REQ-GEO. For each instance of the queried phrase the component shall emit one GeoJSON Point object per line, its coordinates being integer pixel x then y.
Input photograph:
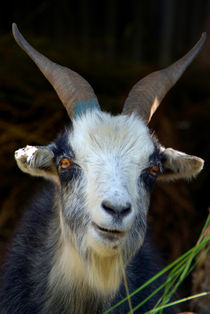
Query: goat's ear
{"type": "Point", "coordinates": [178, 165]}
{"type": "Point", "coordinates": [37, 161]}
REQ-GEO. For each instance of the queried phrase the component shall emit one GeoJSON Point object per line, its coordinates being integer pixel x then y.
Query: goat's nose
{"type": "Point", "coordinates": [116, 210]}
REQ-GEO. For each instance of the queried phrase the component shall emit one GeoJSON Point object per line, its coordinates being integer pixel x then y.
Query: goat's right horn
{"type": "Point", "coordinates": [146, 95]}
{"type": "Point", "coordinates": [74, 91]}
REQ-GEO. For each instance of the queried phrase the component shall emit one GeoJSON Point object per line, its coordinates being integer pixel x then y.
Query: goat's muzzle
{"type": "Point", "coordinates": [108, 232]}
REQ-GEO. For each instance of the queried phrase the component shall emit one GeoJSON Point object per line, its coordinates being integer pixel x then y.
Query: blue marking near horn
{"type": "Point", "coordinates": [81, 107]}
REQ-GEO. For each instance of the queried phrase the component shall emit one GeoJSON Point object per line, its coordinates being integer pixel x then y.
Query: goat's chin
{"type": "Point", "coordinates": [105, 244]}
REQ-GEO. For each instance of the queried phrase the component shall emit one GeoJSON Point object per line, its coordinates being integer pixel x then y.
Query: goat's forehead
{"type": "Point", "coordinates": [100, 133]}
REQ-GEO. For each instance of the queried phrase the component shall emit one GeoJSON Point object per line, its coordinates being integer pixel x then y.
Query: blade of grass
{"type": "Point", "coordinates": [175, 274]}
{"type": "Point", "coordinates": [164, 299]}
{"type": "Point", "coordinates": [197, 249]}
{"type": "Point", "coordinates": [180, 260]}
{"type": "Point", "coordinates": [162, 272]}
{"type": "Point", "coordinates": [173, 278]}
{"type": "Point", "coordinates": [178, 302]}
{"type": "Point", "coordinates": [149, 297]}
{"type": "Point", "coordinates": [126, 284]}
{"type": "Point", "coordinates": [185, 258]}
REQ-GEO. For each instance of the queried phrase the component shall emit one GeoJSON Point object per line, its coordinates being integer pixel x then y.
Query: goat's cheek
{"type": "Point", "coordinates": [143, 199]}
{"type": "Point", "coordinates": [99, 216]}
{"type": "Point", "coordinates": [94, 203]}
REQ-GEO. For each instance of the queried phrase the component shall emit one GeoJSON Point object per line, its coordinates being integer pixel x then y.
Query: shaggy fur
{"type": "Point", "coordinates": [25, 288]}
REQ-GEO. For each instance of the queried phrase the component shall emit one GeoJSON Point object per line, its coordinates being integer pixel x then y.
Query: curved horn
{"type": "Point", "coordinates": [146, 95]}
{"type": "Point", "coordinates": [74, 91]}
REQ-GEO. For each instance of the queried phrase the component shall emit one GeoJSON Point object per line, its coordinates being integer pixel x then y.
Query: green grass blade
{"type": "Point", "coordinates": [162, 272]}
{"type": "Point", "coordinates": [178, 302]}
{"type": "Point", "coordinates": [179, 270]}
{"type": "Point", "coordinates": [187, 268]}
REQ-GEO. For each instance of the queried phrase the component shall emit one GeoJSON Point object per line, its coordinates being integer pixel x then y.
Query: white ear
{"type": "Point", "coordinates": [178, 165]}
{"type": "Point", "coordinates": [37, 161]}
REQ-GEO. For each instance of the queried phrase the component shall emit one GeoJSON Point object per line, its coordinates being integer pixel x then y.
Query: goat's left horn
{"type": "Point", "coordinates": [73, 90]}
{"type": "Point", "coordinates": [146, 95]}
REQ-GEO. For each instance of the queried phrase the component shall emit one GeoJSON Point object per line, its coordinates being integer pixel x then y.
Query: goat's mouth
{"type": "Point", "coordinates": [109, 232]}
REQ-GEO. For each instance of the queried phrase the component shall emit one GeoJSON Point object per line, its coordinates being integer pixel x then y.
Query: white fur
{"type": "Point", "coordinates": [32, 160]}
{"type": "Point", "coordinates": [112, 151]}
{"type": "Point", "coordinates": [26, 154]}
{"type": "Point", "coordinates": [180, 165]}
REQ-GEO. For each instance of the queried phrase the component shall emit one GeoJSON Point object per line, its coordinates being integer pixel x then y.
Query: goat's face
{"type": "Point", "coordinates": [106, 185]}
{"type": "Point", "coordinates": [110, 167]}
{"type": "Point", "coordinates": [107, 202]}
{"type": "Point", "coordinates": [106, 165]}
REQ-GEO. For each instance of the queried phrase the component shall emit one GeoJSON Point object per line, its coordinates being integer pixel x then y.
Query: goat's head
{"type": "Point", "coordinates": [107, 165]}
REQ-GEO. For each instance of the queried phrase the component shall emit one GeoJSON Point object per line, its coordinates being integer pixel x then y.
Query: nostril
{"type": "Point", "coordinates": [127, 209]}
{"type": "Point", "coordinates": [108, 207]}
{"type": "Point", "coordinates": [116, 209]}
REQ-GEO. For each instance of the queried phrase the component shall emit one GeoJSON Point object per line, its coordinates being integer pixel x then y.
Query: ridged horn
{"type": "Point", "coordinates": [73, 90]}
{"type": "Point", "coordinates": [146, 95]}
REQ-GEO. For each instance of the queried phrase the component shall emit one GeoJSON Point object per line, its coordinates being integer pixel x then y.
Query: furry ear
{"type": "Point", "coordinates": [178, 165]}
{"type": "Point", "coordinates": [37, 161]}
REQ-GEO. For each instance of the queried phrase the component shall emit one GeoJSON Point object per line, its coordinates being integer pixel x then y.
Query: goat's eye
{"type": "Point", "coordinates": [154, 170]}
{"type": "Point", "coordinates": [64, 163]}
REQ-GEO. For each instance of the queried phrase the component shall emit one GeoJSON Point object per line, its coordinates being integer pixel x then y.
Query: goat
{"type": "Point", "coordinates": [65, 257]}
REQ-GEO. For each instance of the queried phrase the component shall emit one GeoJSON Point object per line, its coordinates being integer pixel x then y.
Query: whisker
{"type": "Point", "coordinates": [125, 283]}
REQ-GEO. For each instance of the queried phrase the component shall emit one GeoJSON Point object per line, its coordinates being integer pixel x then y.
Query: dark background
{"type": "Point", "coordinates": [112, 44]}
